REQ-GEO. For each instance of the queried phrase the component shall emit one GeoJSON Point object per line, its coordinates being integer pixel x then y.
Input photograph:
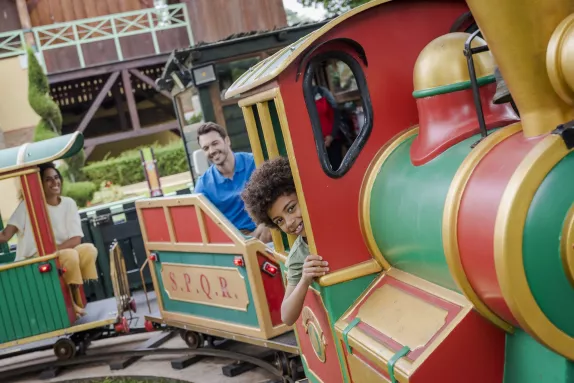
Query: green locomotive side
{"type": "Point", "coordinates": [31, 302]}
{"type": "Point", "coordinates": [407, 204]}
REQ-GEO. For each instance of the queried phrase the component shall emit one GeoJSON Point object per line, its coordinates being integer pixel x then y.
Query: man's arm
{"type": "Point", "coordinates": [262, 233]}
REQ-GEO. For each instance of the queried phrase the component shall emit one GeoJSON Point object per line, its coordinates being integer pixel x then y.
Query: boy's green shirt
{"type": "Point", "coordinates": [299, 251]}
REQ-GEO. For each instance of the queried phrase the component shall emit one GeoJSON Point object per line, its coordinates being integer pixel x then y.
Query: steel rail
{"type": "Point", "coordinates": [100, 357]}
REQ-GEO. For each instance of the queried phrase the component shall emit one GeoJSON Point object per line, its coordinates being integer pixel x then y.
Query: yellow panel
{"type": "Point", "coordinates": [208, 285]}
{"type": "Point", "coordinates": [361, 372]}
{"type": "Point", "coordinates": [398, 315]}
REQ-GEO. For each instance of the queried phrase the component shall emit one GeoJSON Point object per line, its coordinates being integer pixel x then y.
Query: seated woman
{"type": "Point", "coordinates": [76, 258]}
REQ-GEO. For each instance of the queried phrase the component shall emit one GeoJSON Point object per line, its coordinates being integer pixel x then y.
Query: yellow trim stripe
{"type": "Point", "coordinates": [367, 186]}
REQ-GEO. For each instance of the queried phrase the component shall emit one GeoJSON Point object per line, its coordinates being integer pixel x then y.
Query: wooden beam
{"type": "Point", "coordinates": [132, 107]}
{"type": "Point", "coordinates": [24, 16]}
{"type": "Point", "coordinates": [32, 4]}
{"type": "Point", "coordinates": [215, 96]}
{"type": "Point", "coordinates": [97, 102]}
{"type": "Point", "coordinates": [88, 150]}
{"type": "Point", "coordinates": [120, 107]}
{"type": "Point", "coordinates": [150, 82]}
{"type": "Point", "coordinates": [170, 125]}
{"type": "Point", "coordinates": [107, 68]}
{"type": "Point", "coordinates": [168, 109]}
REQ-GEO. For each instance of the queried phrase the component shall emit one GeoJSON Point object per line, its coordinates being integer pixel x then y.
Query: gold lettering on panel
{"type": "Point", "coordinates": [208, 285]}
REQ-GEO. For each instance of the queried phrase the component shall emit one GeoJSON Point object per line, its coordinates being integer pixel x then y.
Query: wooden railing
{"type": "Point", "coordinates": [12, 43]}
{"type": "Point", "coordinates": [77, 33]}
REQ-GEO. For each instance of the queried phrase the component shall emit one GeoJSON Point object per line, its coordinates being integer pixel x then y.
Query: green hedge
{"type": "Point", "coordinates": [81, 192]}
{"type": "Point", "coordinates": [127, 168]}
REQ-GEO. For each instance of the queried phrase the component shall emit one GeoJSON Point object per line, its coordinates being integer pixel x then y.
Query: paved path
{"type": "Point", "coordinates": [168, 181]}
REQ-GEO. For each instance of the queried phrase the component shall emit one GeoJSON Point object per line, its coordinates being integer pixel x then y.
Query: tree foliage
{"type": "Point", "coordinates": [50, 124]}
{"type": "Point", "coordinates": [334, 7]}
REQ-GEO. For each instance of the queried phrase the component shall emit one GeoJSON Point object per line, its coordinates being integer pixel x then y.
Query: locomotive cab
{"type": "Point", "coordinates": [35, 302]}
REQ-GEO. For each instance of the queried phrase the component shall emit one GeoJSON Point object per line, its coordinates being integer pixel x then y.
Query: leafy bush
{"type": "Point", "coordinates": [81, 192]}
{"type": "Point", "coordinates": [126, 169]}
{"type": "Point", "coordinates": [195, 119]}
{"type": "Point", "coordinates": [108, 193]}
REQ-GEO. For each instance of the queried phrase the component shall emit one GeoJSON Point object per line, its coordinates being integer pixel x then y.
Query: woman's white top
{"type": "Point", "coordinates": [65, 221]}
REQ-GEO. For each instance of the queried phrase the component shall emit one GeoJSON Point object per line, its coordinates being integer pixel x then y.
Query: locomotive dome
{"type": "Point", "coordinates": [441, 66]}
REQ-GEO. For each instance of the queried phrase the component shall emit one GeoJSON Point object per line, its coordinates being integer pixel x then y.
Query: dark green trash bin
{"type": "Point", "coordinates": [104, 225]}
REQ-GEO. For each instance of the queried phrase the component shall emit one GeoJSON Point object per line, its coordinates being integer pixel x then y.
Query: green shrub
{"type": "Point", "coordinates": [81, 192]}
{"type": "Point", "coordinates": [127, 169]}
{"type": "Point", "coordinates": [50, 125]}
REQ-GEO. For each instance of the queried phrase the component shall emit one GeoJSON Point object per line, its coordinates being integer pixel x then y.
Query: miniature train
{"type": "Point", "coordinates": [35, 303]}
{"type": "Point", "coordinates": [213, 282]}
{"type": "Point", "coordinates": [449, 224]}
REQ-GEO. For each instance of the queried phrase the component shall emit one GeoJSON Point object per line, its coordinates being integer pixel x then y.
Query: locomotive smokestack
{"type": "Point", "coordinates": [518, 32]}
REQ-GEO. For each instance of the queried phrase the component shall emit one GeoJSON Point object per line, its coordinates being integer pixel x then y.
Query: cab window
{"type": "Point", "coordinates": [339, 108]}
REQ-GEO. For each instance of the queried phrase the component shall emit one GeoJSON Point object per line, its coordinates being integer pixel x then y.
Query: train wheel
{"type": "Point", "coordinates": [282, 363]}
{"type": "Point", "coordinates": [210, 341]}
{"type": "Point", "coordinates": [193, 339]}
{"type": "Point", "coordinates": [296, 369]}
{"type": "Point", "coordinates": [65, 349]}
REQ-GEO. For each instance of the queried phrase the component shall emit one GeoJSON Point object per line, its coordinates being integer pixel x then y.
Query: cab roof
{"type": "Point", "coordinates": [272, 66]}
{"type": "Point", "coordinates": [36, 153]}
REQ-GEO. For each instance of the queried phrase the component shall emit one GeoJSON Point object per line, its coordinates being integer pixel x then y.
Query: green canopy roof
{"type": "Point", "coordinates": [27, 155]}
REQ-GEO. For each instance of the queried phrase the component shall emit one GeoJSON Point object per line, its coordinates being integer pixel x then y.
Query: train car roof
{"type": "Point", "coordinates": [272, 66]}
{"type": "Point", "coordinates": [35, 153]}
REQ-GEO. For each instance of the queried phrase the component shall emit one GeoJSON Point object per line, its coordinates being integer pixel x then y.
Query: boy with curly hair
{"type": "Point", "coordinates": [270, 199]}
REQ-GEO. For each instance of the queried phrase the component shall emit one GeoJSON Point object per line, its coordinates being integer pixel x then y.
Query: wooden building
{"type": "Point", "coordinates": [102, 58]}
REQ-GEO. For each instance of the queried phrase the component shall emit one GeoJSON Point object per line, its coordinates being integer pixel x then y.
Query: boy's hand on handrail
{"type": "Point", "coordinates": [314, 267]}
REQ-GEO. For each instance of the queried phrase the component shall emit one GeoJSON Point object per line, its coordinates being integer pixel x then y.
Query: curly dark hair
{"type": "Point", "coordinates": [267, 183]}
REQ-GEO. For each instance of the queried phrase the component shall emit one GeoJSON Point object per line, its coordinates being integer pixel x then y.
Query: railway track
{"type": "Point", "coordinates": [107, 356]}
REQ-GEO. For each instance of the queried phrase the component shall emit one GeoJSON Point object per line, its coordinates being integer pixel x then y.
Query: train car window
{"type": "Point", "coordinates": [339, 107]}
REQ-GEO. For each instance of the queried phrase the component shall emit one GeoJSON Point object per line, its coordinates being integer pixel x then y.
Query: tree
{"type": "Point", "coordinates": [50, 124]}
{"type": "Point", "coordinates": [334, 7]}
{"type": "Point", "coordinates": [296, 18]}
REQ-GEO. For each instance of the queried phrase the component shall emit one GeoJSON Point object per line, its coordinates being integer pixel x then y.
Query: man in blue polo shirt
{"type": "Point", "coordinates": [225, 179]}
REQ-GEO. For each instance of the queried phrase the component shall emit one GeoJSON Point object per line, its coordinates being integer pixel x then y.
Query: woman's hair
{"type": "Point", "coordinates": [43, 168]}
{"type": "Point", "coordinates": [50, 165]}
{"type": "Point", "coordinates": [267, 183]}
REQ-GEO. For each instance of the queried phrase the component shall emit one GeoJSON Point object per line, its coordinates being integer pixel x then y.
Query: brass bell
{"type": "Point", "coordinates": [502, 95]}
